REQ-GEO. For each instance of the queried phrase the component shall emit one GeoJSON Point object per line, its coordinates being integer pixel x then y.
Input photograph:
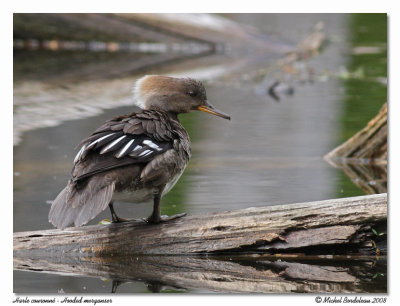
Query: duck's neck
{"type": "Point", "coordinates": [173, 116]}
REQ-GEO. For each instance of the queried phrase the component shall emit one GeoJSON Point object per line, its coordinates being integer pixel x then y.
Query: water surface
{"type": "Point", "coordinates": [271, 152]}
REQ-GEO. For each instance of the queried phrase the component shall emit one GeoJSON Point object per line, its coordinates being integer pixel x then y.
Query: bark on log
{"type": "Point", "coordinates": [293, 227]}
{"type": "Point", "coordinates": [363, 158]}
{"type": "Point", "coordinates": [267, 249]}
{"type": "Point", "coordinates": [369, 144]}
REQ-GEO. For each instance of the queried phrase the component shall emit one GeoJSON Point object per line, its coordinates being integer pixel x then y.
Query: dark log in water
{"type": "Point", "coordinates": [363, 158]}
{"type": "Point", "coordinates": [368, 145]}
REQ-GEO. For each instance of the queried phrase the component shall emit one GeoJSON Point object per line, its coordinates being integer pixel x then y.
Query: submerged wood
{"type": "Point", "coordinates": [369, 144]}
{"type": "Point", "coordinates": [338, 222]}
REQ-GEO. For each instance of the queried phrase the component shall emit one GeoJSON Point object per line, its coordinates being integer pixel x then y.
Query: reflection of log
{"type": "Point", "coordinates": [267, 249]}
{"type": "Point", "coordinates": [307, 47]}
{"type": "Point", "coordinates": [371, 179]}
{"type": "Point", "coordinates": [278, 228]}
{"type": "Point", "coordinates": [364, 156]}
{"type": "Point", "coordinates": [251, 273]}
{"type": "Point", "coordinates": [368, 144]}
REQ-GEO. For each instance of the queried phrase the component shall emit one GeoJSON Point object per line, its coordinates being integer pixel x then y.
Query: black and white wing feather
{"type": "Point", "coordinates": [120, 142]}
{"type": "Point", "coordinates": [130, 140]}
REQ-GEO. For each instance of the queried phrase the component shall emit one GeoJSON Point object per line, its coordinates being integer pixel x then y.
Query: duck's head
{"type": "Point", "coordinates": [173, 95]}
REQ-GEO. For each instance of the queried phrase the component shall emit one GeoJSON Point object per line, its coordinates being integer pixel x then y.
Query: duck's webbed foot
{"type": "Point", "coordinates": [158, 219]}
{"type": "Point", "coordinates": [115, 218]}
{"type": "Point", "coordinates": [156, 215]}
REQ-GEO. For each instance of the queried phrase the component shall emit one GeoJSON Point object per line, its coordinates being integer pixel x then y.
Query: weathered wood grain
{"type": "Point", "coordinates": [337, 222]}
{"type": "Point", "coordinates": [368, 144]}
{"type": "Point", "coordinates": [264, 250]}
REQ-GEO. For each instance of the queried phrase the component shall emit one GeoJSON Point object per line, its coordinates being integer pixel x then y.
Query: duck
{"type": "Point", "coordinates": [136, 157]}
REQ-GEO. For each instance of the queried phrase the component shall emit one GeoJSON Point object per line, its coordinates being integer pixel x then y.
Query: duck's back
{"type": "Point", "coordinates": [131, 157]}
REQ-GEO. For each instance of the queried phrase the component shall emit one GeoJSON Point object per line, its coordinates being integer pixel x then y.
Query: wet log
{"type": "Point", "coordinates": [303, 227]}
{"type": "Point", "coordinates": [233, 273]}
{"type": "Point", "coordinates": [367, 146]}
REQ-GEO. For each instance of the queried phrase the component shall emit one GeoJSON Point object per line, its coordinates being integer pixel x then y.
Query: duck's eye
{"type": "Point", "coordinates": [192, 93]}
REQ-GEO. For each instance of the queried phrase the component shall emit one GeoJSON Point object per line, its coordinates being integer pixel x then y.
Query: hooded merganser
{"type": "Point", "coordinates": [135, 157]}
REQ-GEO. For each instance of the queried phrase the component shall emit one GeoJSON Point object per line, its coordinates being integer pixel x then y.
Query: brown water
{"type": "Point", "coordinates": [271, 152]}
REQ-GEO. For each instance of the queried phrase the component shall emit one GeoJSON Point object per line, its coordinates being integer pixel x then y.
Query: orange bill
{"type": "Point", "coordinates": [209, 108]}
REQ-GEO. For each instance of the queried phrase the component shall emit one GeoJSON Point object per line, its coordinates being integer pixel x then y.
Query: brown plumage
{"type": "Point", "coordinates": [135, 157]}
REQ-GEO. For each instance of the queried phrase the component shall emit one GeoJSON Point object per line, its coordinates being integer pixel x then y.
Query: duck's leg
{"type": "Point", "coordinates": [156, 215]}
{"type": "Point", "coordinates": [115, 218]}
{"type": "Point", "coordinates": [115, 285]}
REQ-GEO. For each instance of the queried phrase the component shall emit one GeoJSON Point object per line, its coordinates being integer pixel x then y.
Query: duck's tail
{"type": "Point", "coordinates": [77, 206]}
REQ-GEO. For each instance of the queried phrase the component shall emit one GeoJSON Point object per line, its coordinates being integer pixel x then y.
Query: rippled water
{"type": "Point", "coordinates": [271, 152]}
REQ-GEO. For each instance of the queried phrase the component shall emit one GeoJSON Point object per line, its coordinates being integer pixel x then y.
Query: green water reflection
{"type": "Point", "coordinates": [365, 94]}
{"type": "Point", "coordinates": [270, 153]}
{"type": "Point", "coordinates": [366, 90]}
{"type": "Point", "coordinates": [175, 201]}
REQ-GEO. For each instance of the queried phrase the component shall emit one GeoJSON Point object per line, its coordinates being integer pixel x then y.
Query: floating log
{"type": "Point", "coordinates": [368, 145]}
{"type": "Point", "coordinates": [265, 249]}
{"type": "Point", "coordinates": [294, 227]}
{"type": "Point", "coordinates": [363, 158]}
